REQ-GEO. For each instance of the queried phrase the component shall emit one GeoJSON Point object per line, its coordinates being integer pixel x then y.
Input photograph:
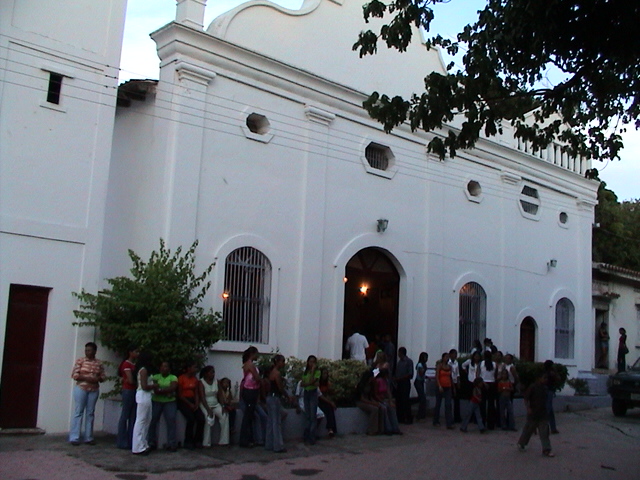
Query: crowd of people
{"type": "Point", "coordinates": [488, 379]}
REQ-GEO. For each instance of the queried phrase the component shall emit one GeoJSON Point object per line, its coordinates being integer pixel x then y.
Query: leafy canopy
{"type": "Point", "coordinates": [156, 309]}
{"type": "Point", "coordinates": [593, 44]}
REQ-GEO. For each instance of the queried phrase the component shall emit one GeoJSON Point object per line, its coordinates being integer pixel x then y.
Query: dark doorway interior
{"type": "Point", "coordinates": [22, 359]}
{"type": "Point", "coordinates": [528, 340]}
{"type": "Point", "coordinates": [372, 285]}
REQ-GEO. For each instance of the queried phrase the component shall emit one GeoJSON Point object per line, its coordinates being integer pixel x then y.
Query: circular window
{"type": "Point", "coordinates": [474, 188]}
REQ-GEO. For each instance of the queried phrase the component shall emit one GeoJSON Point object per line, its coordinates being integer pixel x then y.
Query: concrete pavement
{"type": "Point", "coordinates": [592, 445]}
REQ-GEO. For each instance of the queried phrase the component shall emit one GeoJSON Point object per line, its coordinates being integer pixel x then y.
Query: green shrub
{"type": "Point", "coordinates": [530, 371]}
{"type": "Point", "coordinates": [580, 385]}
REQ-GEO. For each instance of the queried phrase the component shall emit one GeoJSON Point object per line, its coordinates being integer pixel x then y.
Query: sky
{"type": "Point", "coordinates": [139, 60]}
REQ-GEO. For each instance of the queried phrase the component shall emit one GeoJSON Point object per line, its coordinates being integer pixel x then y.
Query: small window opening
{"type": "Point", "coordinates": [377, 156]}
{"type": "Point", "coordinates": [529, 200]}
{"type": "Point", "coordinates": [563, 217]}
{"type": "Point", "coordinates": [474, 188]}
{"type": "Point", "coordinates": [55, 86]}
{"type": "Point", "coordinates": [257, 123]}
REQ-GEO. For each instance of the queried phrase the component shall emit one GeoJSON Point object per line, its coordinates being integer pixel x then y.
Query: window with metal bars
{"type": "Point", "coordinates": [565, 328]}
{"type": "Point", "coordinates": [247, 291]}
{"type": "Point", "coordinates": [529, 200]}
{"type": "Point", "coordinates": [377, 156]}
{"type": "Point", "coordinates": [472, 315]}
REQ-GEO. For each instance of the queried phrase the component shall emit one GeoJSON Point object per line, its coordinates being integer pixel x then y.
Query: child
{"type": "Point", "coordinates": [225, 397]}
{"type": "Point", "coordinates": [535, 399]}
{"type": "Point", "coordinates": [505, 392]}
{"type": "Point", "coordinates": [474, 406]}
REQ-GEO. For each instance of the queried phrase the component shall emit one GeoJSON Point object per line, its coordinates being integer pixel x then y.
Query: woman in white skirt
{"type": "Point", "coordinates": [211, 407]}
{"type": "Point", "coordinates": [139, 444]}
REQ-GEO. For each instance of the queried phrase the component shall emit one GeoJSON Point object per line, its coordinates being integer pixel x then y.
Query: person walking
{"type": "Point", "coordinates": [88, 372]}
{"type": "Point", "coordinates": [552, 385]}
{"type": "Point", "coordinates": [535, 400]}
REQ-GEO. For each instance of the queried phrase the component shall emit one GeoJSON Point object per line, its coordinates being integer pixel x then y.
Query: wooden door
{"type": "Point", "coordinates": [528, 340]}
{"type": "Point", "coordinates": [22, 359]}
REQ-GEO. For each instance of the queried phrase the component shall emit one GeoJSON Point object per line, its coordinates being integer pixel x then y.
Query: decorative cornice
{"type": "Point", "coordinates": [510, 178]}
{"type": "Point", "coordinates": [586, 204]}
{"type": "Point", "coordinates": [318, 115]}
{"type": "Point", "coordinates": [194, 73]}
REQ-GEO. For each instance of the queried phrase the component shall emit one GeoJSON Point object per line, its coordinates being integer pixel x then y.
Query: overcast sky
{"type": "Point", "coordinates": [139, 60]}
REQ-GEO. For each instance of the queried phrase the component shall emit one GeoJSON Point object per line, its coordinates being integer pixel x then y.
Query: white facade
{"type": "Point", "coordinates": [54, 166]}
{"type": "Point", "coordinates": [299, 189]}
{"type": "Point", "coordinates": [293, 183]}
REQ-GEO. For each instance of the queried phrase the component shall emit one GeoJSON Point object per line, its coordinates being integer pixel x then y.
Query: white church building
{"type": "Point", "coordinates": [254, 142]}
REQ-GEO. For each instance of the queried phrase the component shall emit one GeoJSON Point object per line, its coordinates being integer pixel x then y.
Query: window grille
{"type": "Point", "coordinates": [529, 200]}
{"type": "Point", "coordinates": [247, 290]}
{"type": "Point", "coordinates": [377, 156]}
{"type": "Point", "coordinates": [565, 329]}
{"type": "Point", "coordinates": [472, 315]}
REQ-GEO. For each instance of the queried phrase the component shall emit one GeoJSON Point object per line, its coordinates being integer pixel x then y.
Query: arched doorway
{"type": "Point", "coordinates": [371, 292]}
{"type": "Point", "coordinates": [528, 339]}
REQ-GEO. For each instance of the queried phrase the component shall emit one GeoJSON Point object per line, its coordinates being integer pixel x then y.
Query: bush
{"type": "Point", "coordinates": [580, 386]}
{"type": "Point", "coordinates": [157, 309]}
{"type": "Point", "coordinates": [530, 371]}
{"type": "Point", "coordinates": [344, 375]}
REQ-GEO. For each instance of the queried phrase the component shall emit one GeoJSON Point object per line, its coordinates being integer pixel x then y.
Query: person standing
{"type": "Point", "coordinates": [603, 344]}
{"type": "Point", "coordinates": [622, 350]}
{"type": "Point", "coordinates": [489, 400]}
{"type": "Point", "coordinates": [249, 394]}
{"type": "Point", "coordinates": [273, 437]}
{"type": "Point", "coordinates": [403, 377]}
{"type": "Point", "coordinates": [189, 407]}
{"type": "Point", "coordinates": [535, 399]}
{"type": "Point", "coordinates": [443, 392]}
{"type": "Point", "coordinates": [88, 372]}
{"type": "Point", "coordinates": [356, 347]}
{"type": "Point", "coordinates": [144, 393]}
{"type": "Point", "coordinates": [310, 383]}
{"type": "Point", "coordinates": [455, 384]}
{"type": "Point", "coordinates": [418, 383]}
{"type": "Point", "coordinates": [163, 403]}
{"type": "Point", "coordinates": [128, 413]}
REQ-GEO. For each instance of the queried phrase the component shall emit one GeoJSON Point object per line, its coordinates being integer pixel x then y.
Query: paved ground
{"type": "Point", "coordinates": [592, 445]}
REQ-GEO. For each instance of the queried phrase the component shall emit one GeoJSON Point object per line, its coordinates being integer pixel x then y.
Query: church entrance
{"type": "Point", "coordinates": [371, 295]}
{"type": "Point", "coordinates": [528, 340]}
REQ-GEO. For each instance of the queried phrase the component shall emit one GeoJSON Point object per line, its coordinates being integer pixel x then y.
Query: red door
{"type": "Point", "coordinates": [528, 340]}
{"type": "Point", "coordinates": [22, 359]}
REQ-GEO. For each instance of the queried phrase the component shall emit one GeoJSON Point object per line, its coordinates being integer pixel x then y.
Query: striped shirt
{"type": "Point", "coordinates": [88, 368]}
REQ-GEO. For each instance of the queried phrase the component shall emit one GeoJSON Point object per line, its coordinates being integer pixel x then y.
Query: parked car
{"type": "Point", "coordinates": [624, 388]}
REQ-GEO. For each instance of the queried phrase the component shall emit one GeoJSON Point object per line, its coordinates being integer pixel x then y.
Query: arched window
{"type": "Point", "coordinates": [247, 291]}
{"type": "Point", "coordinates": [565, 329]}
{"type": "Point", "coordinates": [472, 315]}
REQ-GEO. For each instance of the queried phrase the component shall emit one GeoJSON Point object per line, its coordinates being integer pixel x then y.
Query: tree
{"type": "Point", "coordinates": [593, 44]}
{"type": "Point", "coordinates": [156, 309]}
{"type": "Point", "coordinates": [616, 240]}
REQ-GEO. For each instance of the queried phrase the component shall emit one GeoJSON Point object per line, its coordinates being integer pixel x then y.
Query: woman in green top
{"type": "Point", "coordinates": [164, 403]}
{"type": "Point", "coordinates": [310, 382]}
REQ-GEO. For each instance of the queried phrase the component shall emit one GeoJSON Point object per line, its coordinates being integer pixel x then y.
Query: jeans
{"type": "Point", "coordinates": [422, 399]}
{"type": "Point", "coordinates": [506, 413]}
{"type": "Point", "coordinates": [552, 416]}
{"type": "Point", "coordinates": [85, 404]}
{"type": "Point", "coordinates": [194, 428]}
{"type": "Point", "coordinates": [474, 411]}
{"type": "Point", "coordinates": [127, 419]}
{"type": "Point", "coordinates": [403, 405]}
{"type": "Point", "coordinates": [489, 407]}
{"type": "Point", "coordinates": [448, 414]}
{"type": "Point", "coordinates": [310, 415]}
{"type": "Point", "coordinates": [170, 411]}
{"type": "Point", "coordinates": [250, 398]}
{"type": "Point", "coordinates": [273, 439]}
{"type": "Point", "coordinates": [390, 418]}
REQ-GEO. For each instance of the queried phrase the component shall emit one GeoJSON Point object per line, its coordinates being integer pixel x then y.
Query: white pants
{"type": "Point", "coordinates": [223, 419]}
{"type": "Point", "coordinates": [143, 421]}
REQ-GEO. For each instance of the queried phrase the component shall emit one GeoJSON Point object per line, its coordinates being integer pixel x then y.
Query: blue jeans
{"type": "Point", "coordinates": [422, 399]}
{"type": "Point", "coordinates": [250, 399]}
{"type": "Point", "coordinates": [474, 411]}
{"type": "Point", "coordinates": [127, 419]}
{"type": "Point", "coordinates": [506, 413]}
{"type": "Point", "coordinates": [85, 404]}
{"type": "Point", "coordinates": [273, 439]}
{"type": "Point", "coordinates": [170, 412]}
{"type": "Point", "coordinates": [310, 415]}
{"type": "Point", "coordinates": [448, 414]}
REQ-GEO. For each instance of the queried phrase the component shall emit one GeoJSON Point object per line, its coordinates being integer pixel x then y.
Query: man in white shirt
{"type": "Point", "coordinates": [356, 346]}
{"type": "Point", "coordinates": [455, 380]}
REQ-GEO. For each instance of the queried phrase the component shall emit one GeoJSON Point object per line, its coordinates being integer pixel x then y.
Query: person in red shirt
{"type": "Point", "coordinates": [128, 413]}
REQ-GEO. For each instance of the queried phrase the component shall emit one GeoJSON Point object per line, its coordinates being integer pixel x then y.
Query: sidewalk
{"type": "Point", "coordinates": [50, 449]}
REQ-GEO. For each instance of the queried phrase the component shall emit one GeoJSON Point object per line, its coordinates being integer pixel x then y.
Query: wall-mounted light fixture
{"type": "Point", "coordinates": [363, 289]}
{"type": "Point", "coordinates": [383, 223]}
{"type": "Point", "coordinates": [553, 263]}
{"type": "Point", "coordinates": [225, 295]}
